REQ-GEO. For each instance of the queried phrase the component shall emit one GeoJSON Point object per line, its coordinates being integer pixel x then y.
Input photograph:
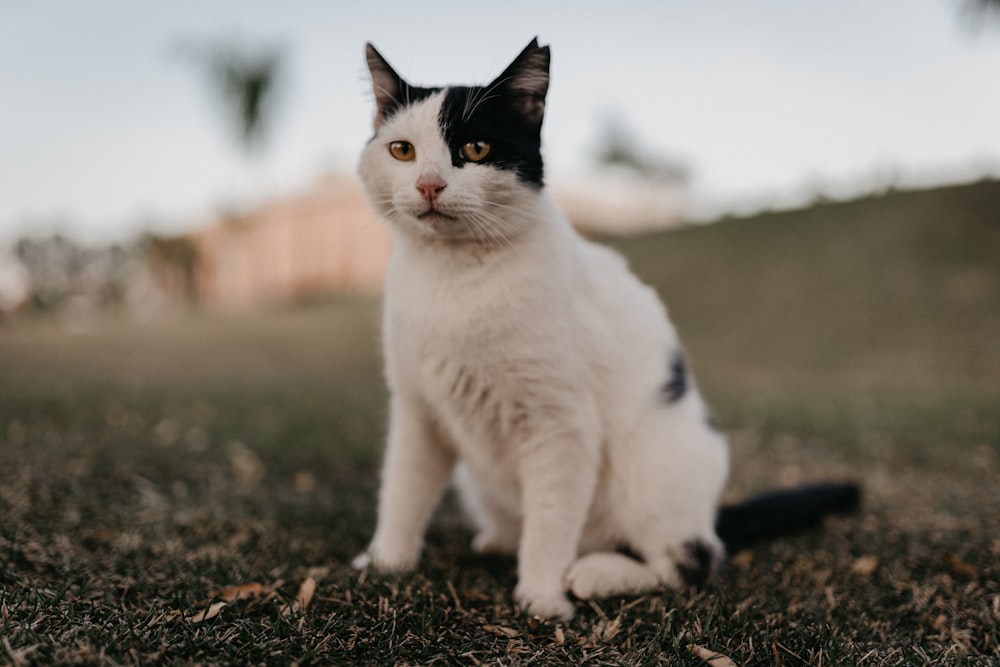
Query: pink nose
{"type": "Point", "coordinates": [430, 188]}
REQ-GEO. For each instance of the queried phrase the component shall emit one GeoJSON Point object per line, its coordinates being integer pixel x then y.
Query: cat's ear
{"type": "Point", "coordinates": [389, 88]}
{"type": "Point", "coordinates": [526, 81]}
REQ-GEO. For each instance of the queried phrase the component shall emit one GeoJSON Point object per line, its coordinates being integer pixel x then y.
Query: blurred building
{"type": "Point", "coordinates": [322, 239]}
{"type": "Point", "coordinates": [326, 239]}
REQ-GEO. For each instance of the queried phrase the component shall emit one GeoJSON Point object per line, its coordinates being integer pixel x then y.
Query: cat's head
{"type": "Point", "coordinates": [457, 163]}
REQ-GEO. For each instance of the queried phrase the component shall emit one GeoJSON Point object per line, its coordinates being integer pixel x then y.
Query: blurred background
{"type": "Point", "coordinates": [158, 157]}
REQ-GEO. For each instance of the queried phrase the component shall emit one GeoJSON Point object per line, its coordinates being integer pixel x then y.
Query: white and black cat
{"type": "Point", "coordinates": [532, 368]}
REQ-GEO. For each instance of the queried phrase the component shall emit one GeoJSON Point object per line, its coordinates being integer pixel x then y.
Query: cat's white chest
{"type": "Point", "coordinates": [456, 347]}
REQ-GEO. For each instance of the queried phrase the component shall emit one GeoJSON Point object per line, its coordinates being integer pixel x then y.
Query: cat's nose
{"type": "Point", "coordinates": [430, 188]}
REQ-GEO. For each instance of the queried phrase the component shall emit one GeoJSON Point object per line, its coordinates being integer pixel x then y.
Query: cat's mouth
{"type": "Point", "coordinates": [433, 215]}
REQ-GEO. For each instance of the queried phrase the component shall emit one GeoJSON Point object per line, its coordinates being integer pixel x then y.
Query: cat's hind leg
{"type": "Point", "coordinates": [606, 573]}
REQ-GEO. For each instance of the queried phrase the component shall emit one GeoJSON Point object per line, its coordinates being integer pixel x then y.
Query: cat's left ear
{"type": "Point", "coordinates": [526, 81]}
{"type": "Point", "coordinates": [389, 87]}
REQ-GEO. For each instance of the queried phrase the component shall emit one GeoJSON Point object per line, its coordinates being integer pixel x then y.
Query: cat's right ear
{"type": "Point", "coordinates": [388, 87]}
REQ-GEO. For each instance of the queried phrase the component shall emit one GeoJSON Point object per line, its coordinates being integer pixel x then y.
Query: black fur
{"type": "Point", "coordinates": [629, 552]}
{"type": "Point", "coordinates": [513, 145]}
{"type": "Point", "coordinates": [785, 512]}
{"type": "Point", "coordinates": [700, 564]}
{"type": "Point", "coordinates": [677, 380]}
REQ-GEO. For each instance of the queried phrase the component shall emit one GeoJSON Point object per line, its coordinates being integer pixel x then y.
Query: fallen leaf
{"type": "Point", "coordinates": [960, 567]}
{"type": "Point", "coordinates": [605, 630]}
{"type": "Point", "coordinates": [714, 658]}
{"type": "Point", "coordinates": [559, 636]}
{"type": "Point", "coordinates": [743, 560]}
{"type": "Point", "coordinates": [247, 468]}
{"type": "Point", "coordinates": [302, 598]}
{"type": "Point", "coordinates": [306, 591]}
{"type": "Point", "coordinates": [865, 566]}
{"type": "Point", "coordinates": [241, 592]}
{"type": "Point", "coordinates": [502, 631]}
{"type": "Point", "coordinates": [210, 612]}
{"type": "Point", "coordinates": [304, 481]}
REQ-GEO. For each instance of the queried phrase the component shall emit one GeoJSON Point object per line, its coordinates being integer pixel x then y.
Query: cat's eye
{"type": "Point", "coordinates": [476, 151]}
{"type": "Point", "coordinates": [402, 150]}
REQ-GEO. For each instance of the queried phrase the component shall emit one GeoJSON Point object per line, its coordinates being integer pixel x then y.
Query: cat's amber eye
{"type": "Point", "coordinates": [476, 151]}
{"type": "Point", "coordinates": [402, 150]}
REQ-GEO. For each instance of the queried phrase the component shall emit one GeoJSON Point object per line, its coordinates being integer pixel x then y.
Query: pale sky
{"type": "Point", "coordinates": [106, 128]}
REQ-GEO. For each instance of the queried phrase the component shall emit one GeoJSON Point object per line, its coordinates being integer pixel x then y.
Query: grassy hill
{"type": "Point", "coordinates": [148, 468]}
{"type": "Point", "coordinates": [897, 293]}
{"type": "Point", "coordinates": [878, 313]}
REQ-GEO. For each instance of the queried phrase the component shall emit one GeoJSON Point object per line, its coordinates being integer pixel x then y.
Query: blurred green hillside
{"type": "Point", "coordinates": [896, 293]}
{"type": "Point", "coordinates": [887, 307]}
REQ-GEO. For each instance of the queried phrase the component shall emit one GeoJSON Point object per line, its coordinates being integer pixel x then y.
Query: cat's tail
{"type": "Point", "coordinates": [784, 512]}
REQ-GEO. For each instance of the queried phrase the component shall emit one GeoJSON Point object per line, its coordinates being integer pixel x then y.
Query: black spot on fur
{"type": "Point", "coordinates": [712, 423]}
{"type": "Point", "coordinates": [677, 381]}
{"type": "Point", "coordinates": [700, 564]}
{"type": "Point", "coordinates": [629, 552]}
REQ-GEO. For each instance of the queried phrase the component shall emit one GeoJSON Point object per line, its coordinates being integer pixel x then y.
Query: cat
{"type": "Point", "coordinates": [528, 365]}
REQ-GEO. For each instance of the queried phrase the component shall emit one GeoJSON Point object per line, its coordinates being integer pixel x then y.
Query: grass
{"type": "Point", "coordinates": [148, 469]}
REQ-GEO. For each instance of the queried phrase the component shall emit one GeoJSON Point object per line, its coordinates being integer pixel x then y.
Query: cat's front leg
{"type": "Point", "coordinates": [558, 476]}
{"type": "Point", "coordinates": [418, 464]}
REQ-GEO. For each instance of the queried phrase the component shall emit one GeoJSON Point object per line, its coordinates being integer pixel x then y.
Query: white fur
{"type": "Point", "coordinates": [528, 365]}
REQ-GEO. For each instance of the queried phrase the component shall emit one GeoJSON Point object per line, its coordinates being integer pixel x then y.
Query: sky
{"type": "Point", "coordinates": [108, 128]}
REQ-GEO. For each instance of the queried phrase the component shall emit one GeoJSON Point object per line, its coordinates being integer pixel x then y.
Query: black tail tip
{"type": "Point", "coordinates": [786, 511]}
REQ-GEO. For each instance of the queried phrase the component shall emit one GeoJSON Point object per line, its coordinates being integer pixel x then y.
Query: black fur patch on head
{"type": "Point", "coordinates": [699, 567]}
{"type": "Point", "coordinates": [677, 381]}
{"type": "Point", "coordinates": [480, 113]}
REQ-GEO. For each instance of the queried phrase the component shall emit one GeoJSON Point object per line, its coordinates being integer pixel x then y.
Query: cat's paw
{"type": "Point", "coordinates": [601, 575]}
{"type": "Point", "coordinates": [383, 560]}
{"type": "Point", "coordinates": [362, 561]}
{"type": "Point", "coordinates": [546, 605]}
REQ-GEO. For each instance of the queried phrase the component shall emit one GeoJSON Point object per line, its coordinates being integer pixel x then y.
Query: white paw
{"type": "Point", "coordinates": [386, 560]}
{"type": "Point", "coordinates": [605, 574]}
{"type": "Point", "coordinates": [361, 561]}
{"type": "Point", "coordinates": [546, 605]}
{"type": "Point", "coordinates": [584, 580]}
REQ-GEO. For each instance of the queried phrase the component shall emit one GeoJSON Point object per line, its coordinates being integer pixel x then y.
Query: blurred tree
{"type": "Point", "coordinates": [978, 13]}
{"type": "Point", "coordinates": [618, 146]}
{"type": "Point", "coordinates": [63, 272]}
{"type": "Point", "coordinates": [246, 80]}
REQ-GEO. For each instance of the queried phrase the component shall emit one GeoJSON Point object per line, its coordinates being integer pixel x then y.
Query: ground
{"type": "Point", "coordinates": [192, 489]}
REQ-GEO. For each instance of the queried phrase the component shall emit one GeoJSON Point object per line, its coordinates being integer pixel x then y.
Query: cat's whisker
{"type": "Point", "coordinates": [495, 228]}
